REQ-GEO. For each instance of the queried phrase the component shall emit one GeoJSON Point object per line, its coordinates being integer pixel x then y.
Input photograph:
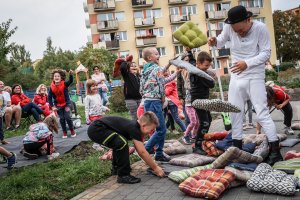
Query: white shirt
{"type": "Point", "coordinates": [98, 78]}
{"type": "Point", "coordinates": [6, 96]}
{"type": "Point", "coordinates": [254, 49]}
{"type": "Point", "coordinates": [93, 105]}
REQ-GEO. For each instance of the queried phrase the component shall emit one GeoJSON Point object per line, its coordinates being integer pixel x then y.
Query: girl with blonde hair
{"type": "Point", "coordinates": [41, 99]}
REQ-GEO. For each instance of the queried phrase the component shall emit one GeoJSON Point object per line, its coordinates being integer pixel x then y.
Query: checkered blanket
{"type": "Point", "coordinates": [210, 148]}
{"type": "Point", "coordinates": [215, 135]}
{"type": "Point", "coordinates": [207, 183]}
{"type": "Point", "coordinates": [192, 160]}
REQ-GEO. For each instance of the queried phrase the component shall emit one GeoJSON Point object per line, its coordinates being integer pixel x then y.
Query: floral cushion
{"type": "Point", "coordinates": [173, 147]}
{"type": "Point", "coordinates": [240, 175]}
{"type": "Point", "coordinates": [292, 154]}
{"type": "Point", "coordinates": [179, 176]}
{"type": "Point", "coordinates": [189, 35]}
{"type": "Point", "coordinates": [269, 180]}
{"type": "Point", "coordinates": [207, 183]}
{"type": "Point", "coordinates": [216, 105]}
{"type": "Point", "coordinates": [191, 160]}
{"type": "Point", "coordinates": [234, 154]}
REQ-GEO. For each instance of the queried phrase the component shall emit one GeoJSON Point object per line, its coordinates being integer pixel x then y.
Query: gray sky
{"type": "Point", "coordinates": [63, 21]}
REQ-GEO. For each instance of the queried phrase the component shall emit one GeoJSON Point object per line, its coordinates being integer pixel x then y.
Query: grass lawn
{"type": "Point", "coordinates": [59, 179]}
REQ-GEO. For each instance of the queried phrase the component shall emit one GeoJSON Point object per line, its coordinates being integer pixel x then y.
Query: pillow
{"type": "Point", "coordinates": [256, 138]}
{"type": "Point", "coordinates": [289, 166]}
{"type": "Point", "coordinates": [191, 160]}
{"type": "Point", "coordinates": [207, 183]}
{"type": "Point", "coordinates": [290, 142]}
{"type": "Point", "coordinates": [210, 148]}
{"type": "Point", "coordinates": [191, 69]}
{"type": "Point", "coordinates": [189, 35]}
{"type": "Point", "coordinates": [269, 180]}
{"type": "Point", "coordinates": [240, 175]}
{"type": "Point", "coordinates": [216, 105]}
{"type": "Point", "coordinates": [249, 166]}
{"type": "Point", "coordinates": [292, 154]}
{"type": "Point", "coordinates": [262, 150]}
{"type": "Point", "coordinates": [295, 126]}
{"type": "Point", "coordinates": [281, 136]}
{"type": "Point", "coordinates": [215, 135]}
{"type": "Point", "coordinates": [234, 154]}
{"type": "Point", "coordinates": [173, 147]}
{"type": "Point", "coordinates": [179, 176]}
{"type": "Point", "coordinates": [297, 173]}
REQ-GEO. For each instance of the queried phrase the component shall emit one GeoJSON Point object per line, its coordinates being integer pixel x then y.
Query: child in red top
{"type": "Point", "coordinates": [278, 98]}
{"type": "Point", "coordinates": [62, 103]}
{"type": "Point", "coordinates": [19, 98]}
{"type": "Point", "coordinates": [41, 99]}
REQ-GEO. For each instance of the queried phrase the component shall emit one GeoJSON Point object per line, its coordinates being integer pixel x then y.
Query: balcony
{"type": "Point", "coordinates": [220, 14]}
{"type": "Point", "coordinates": [141, 3]}
{"type": "Point", "coordinates": [175, 19]}
{"type": "Point", "coordinates": [254, 10]}
{"type": "Point", "coordinates": [174, 2]}
{"type": "Point", "coordinates": [223, 53]}
{"type": "Point", "coordinates": [214, 33]}
{"type": "Point", "coordinates": [146, 41]}
{"type": "Point", "coordinates": [109, 45]}
{"type": "Point", "coordinates": [108, 25]}
{"type": "Point", "coordinates": [142, 22]}
{"type": "Point", "coordinates": [104, 5]}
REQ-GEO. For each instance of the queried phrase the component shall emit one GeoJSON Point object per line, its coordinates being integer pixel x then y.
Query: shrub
{"type": "Point", "coordinates": [117, 100]}
{"type": "Point", "coordinates": [286, 65]}
{"type": "Point", "coordinates": [271, 75]}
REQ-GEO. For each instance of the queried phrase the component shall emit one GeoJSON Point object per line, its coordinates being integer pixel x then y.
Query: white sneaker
{"type": "Point", "coordinates": [175, 132]}
{"type": "Point", "coordinates": [73, 135]}
{"type": "Point", "coordinates": [64, 137]}
{"type": "Point", "coordinates": [53, 156]}
{"type": "Point", "coordinates": [288, 131]}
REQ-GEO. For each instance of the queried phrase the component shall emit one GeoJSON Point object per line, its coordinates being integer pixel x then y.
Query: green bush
{"type": "Point", "coordinates": [271, 75]}
{"type": "Point", "coordinates": [286, 65]}
{"type": "Point", "coordinates": [117, 100]}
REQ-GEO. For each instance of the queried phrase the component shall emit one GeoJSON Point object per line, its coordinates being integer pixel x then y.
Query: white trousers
{"type": "Point", "coordinates": [254, 90]}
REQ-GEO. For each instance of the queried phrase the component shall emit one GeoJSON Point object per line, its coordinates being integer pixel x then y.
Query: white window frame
{"type": "Point", "coordinates": [159, 31]}
{"type": "Point", "coordinates": [260, 19]}
{"type": "Point", "coordinates": [174, 11]}
{"type": "Point", "coordinates": [121, 20]}
{"type": "Point", "coordinates": [155, 13]}
{"type": "Point", "coordinates": [162, 50]}
{"type": "Point", "coordinates": [122, 35]}
{"type": "Point", "coordinates": [123, 53]}
{"type": "Point", "coordinates": [106, 15]}
{"type": "Point", "coordinates": [179, 49]}
{"type": "Point", "coordinates": [189, 8]}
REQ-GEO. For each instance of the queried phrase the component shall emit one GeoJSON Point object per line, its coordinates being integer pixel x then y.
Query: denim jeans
{"type": "Point", "coordinates": [158, 138]}
{"type": "Point", "coordinates": [64, 114]}
{"type": "Point", "coordinates": [103, 96]}
{"type": "Point", "coordinates": [174, 113]}
{"type": "Point", "coordinates": [32, 108]}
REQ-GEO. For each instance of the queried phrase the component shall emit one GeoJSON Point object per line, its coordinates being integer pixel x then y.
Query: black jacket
{"type": "Point", "coordinates": [131, 83]}
{"type": "Point", "coordinates": [200, 87]}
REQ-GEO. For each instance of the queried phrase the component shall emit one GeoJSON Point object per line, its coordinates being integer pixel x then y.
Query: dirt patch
{"type": "Point", "coordinates": [82, 150]}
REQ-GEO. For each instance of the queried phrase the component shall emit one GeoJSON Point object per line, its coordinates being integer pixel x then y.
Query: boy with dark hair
{"type": "Point", "coordinates": [113, 132]}
{"type": "Point", "coordinates": [200, 90]}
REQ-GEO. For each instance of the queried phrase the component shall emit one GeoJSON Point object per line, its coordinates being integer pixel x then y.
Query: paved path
{"type": "Point", "coordinates": [153, 187]}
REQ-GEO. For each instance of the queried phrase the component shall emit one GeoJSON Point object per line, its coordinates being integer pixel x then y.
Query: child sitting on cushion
{"type": "Point", "coordinates": [114, 132]}
{"type": "Point", "coordinates": [200, 90]}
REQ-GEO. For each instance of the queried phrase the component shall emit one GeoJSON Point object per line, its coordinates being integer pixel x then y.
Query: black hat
{"type": "Point", "coordinates": [237, 14]}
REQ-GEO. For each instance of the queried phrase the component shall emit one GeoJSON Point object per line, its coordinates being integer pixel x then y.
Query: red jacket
{"type": "Point", "coordinates": [172, 93]}
{"type": "Point", "coordinates": [22, 98]}
{"type": "Point", "coordinates": [40, 99]}
{"type": "Point", "coordinates": [280, 95]}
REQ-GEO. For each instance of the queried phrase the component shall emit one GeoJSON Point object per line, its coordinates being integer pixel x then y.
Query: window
{"type": "Point", "coordinates": [174, 28]}
{"type": "Point", "coordinates": [140, 53]}
{"type": "Point", "coordinates": [225, 6]}
{"type": "Point", "coordinates": [122, 36]}
{"type": "Point", "coordinates": [138, 14]}
{"type": "Point", "coordinates": [260, 19]}
{"type": "Point", "coordinates": [209, 7]}
{"type": "Point", "coordinates": [123, 54]}
{"type": "Point", "coordinates": [120, 16]}
{"type": "Point", "coordinates": [159, 32]}
{"type": "Point", "coordinates": [105, 37]}
{"type": "Point", "coordinates": [179, 49]}
{"type": "Point", "coordinates": [105, 17]}
{"type": "Point", "coordinates": [189, 10]}
{"type": "Point", "coordinates": [252, 3]}
{"type": "Point", "coordinates": [162, 51]}
{"type": "Point", "coordinates": [217, 6]}
{"type": "Point", "coordinates": [174, 11]}
{"type": "Point", "coordinates": [156, 13]}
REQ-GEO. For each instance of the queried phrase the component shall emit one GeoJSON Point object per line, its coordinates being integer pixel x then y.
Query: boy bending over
{"type": "Point", "coordinates": [113, 132]}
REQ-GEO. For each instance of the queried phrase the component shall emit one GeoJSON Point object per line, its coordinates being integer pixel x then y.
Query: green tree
{"type": "Point", "coordinates": [287, 35]}
{"type": "Point", "coordinates": [90, 57]}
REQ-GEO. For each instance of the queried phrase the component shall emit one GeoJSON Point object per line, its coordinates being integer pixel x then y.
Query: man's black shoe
{"type": "Point", "coordinates": [162, 158]}
{"type": "Point", "coordinates": [128, 179]}
{"type": "Point", "coordinates": [199, 151]}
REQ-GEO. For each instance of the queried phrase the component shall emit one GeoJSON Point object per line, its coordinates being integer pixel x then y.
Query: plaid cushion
{"type": "Point", "coordinates": [191, 160]}
{"type": "Point", "coordinates": [292, 154]}
{"type": "Point", "coordinates": [215, 135]}
{"type": "Point", "coordinates": [210, 148]}
{"type": "Point", "coordinates": [173, 147]}
{"type": "Point", "coordinates": [234, 154]}
{"type": "Point", "coordinates": [179, 176]}
{"type": "Point", "coordinates": [269, 180]}
{"type": "Point", "coordinates": [240, 175]}
{"type": "Point", "coordinates": [207, 183]}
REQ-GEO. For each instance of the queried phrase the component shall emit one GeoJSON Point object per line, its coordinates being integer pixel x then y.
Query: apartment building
{"type": "Point", "coordinates": [128, 26]}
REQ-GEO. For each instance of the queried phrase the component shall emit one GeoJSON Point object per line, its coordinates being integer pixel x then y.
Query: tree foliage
{"type": "Point", "coordinates": [5, 34]}
{"type": "Point", "coordinates": [90, 57]}
{"type": "Point", "coordinates": [287, 35]}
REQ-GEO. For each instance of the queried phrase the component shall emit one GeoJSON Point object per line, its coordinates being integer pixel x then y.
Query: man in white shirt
{"type": "Point", "coordinates": [250, 49]}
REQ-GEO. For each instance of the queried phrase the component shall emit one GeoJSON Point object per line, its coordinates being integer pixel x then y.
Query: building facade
{"type": "Point", "coordinates": [128, 26]}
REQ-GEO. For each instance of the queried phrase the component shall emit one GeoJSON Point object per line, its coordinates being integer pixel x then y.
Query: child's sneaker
{"type": "Point", "coordinates": [73, 134]}
{"type": "Point", "coordinates": [162, 158]}
{"type": "Point", "coordinates": [186, 140]}
{"type": "Point", "coordinates": [288, 131]}
{"type": "Point", "coordinates": [53, 156]}
{"type": "Point", "coordinates": [11, 161]}
{"type": "Point", "coordinates": [30, 156]}
{"type": "Point", "coordinates": [65, 135]}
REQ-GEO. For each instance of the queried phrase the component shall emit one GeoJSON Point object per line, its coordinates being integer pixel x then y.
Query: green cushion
{"type": "Point", "coordinates": [289, 166]}
{"type": "Point", "coordinates": [189, 35]}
